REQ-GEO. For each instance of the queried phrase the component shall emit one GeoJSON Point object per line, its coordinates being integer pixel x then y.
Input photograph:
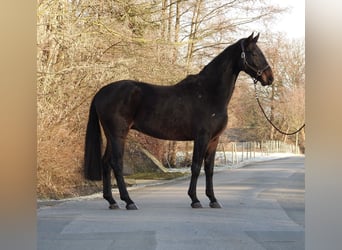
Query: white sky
{"type": "Point", "coordinates": [293, 21]}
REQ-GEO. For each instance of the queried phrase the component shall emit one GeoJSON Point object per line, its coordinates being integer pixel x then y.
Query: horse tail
{"type": "Point", "coordinates": [93, 144]}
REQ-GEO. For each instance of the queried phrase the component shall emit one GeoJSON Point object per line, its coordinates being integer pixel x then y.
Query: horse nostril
{"type": "Point", "coordinates": [270, 79]}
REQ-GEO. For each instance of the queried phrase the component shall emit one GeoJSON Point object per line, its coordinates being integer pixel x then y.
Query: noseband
{"type": "Point", "coordinates": [247, 65]}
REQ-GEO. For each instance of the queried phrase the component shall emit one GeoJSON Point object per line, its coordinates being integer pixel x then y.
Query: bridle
{"type": "Point", "coordinates": [255, 80]}
{"type": "Point", "coordinates": [247, 65]}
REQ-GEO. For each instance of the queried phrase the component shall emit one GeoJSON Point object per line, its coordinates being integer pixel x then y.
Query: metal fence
{"type": "Point", "coordinates": [235, 152]}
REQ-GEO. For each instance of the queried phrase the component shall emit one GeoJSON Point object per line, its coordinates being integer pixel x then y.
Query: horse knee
{"type": "Point", "coordinates": [195, 174]}
{"type": "Point", "coordinates": [195, 170]}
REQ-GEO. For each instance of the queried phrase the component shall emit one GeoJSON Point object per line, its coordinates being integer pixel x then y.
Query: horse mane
{"type": "Point", "coordinates": [189, 78]}
{"type": "Point", "coordinates": [220, 62]}
{"type": "Point", "coordinates": [215, 67]}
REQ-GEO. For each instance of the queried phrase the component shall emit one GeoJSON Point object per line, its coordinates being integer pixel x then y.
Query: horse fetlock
{"type": "Point", "coordinates": [126, 198]}
{"type": "Point", "coordinates": [209, 192]}
{"type": "Point", "coordinates": [192, 195]}
{"type": "Point", "coordinates": [109, 198]}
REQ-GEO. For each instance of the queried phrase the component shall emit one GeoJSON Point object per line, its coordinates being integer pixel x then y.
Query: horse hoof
{"type": "Point", "coordinates": [114, 206]}
{"type": "Point", "coordinates": [131, 206]}
{"type": "Point", "coordinates": [196, 204]}
{"type": "Point", "coordinates": [215, 204]}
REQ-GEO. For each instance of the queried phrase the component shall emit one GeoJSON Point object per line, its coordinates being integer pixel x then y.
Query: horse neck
{"type": "Point", "coordinates": [221, 73]}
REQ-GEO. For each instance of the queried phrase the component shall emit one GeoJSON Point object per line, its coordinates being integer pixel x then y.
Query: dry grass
{"type": "Point", "coordinates": [59, 166]}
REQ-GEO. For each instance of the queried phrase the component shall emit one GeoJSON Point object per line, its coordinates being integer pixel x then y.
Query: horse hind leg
{"type": "Point", "coordinates": [117, 152]}
{"type": "Point", "coordinates": [116, 131]}
{"type": "Point", "coordinates": [116, 112]}
{"type": "Point", "coordinates": [107, 186]}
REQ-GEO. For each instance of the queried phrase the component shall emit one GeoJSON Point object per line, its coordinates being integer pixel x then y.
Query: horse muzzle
{"type": "Point", "coordinates": [266, 77]}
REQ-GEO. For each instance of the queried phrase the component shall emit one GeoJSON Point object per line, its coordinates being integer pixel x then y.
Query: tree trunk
{"type": "Point", "coordinates": [193, 33]}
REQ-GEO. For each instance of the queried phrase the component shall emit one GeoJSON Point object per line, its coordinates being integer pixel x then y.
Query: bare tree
{"type": "Point", "coordinates": [83, 45]}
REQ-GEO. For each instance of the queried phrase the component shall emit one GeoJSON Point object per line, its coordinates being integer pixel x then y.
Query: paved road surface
{"type": "Point", "coordinates": [263, 208]}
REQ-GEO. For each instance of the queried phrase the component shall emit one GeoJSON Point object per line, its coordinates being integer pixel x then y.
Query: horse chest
{"type": "Point", "coordinates": [216, 123]}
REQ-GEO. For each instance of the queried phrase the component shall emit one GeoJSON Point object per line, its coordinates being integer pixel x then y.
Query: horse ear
{"type": "Point", "coordinates": [248, 40]}
{"type": "Point", "coordinates": [255, 39]}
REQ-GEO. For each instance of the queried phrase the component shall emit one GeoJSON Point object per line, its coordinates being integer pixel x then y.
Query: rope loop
{"type": "Point", "coordinates": [268, 119]}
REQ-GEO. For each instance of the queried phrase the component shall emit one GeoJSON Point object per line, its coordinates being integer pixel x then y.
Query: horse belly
{"type": "Point", "coordinates": [165, 113]}
{"type": "Point", "coordinates": [166, 130]}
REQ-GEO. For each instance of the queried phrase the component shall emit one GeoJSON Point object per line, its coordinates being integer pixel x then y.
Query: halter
{"type": "Point", "coordinates": [245, 63]}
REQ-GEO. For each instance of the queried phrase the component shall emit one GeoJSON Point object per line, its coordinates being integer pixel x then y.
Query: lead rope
{"type": "Point", "coordinates": [268, 119]}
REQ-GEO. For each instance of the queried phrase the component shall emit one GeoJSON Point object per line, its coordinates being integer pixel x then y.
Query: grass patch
{"type": "Point", "coordinates": [157, 175]}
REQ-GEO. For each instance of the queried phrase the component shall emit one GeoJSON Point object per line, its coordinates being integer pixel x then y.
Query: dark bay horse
{"type": "Point", "coordinates": [195, 109]}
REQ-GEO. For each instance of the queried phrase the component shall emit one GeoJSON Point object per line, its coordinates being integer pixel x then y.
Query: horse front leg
{"type": "Point", "coordinates": [200, 146]}
{"type": "Point", "coordinates": [209, 172]}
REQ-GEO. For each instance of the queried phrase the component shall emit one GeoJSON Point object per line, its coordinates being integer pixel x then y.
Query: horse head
{"type": "Point", "coordinates": [254, 62]}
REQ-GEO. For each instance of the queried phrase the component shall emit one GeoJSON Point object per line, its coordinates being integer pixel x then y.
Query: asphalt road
{"type": "Point", "coordinates": [263, 208]}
